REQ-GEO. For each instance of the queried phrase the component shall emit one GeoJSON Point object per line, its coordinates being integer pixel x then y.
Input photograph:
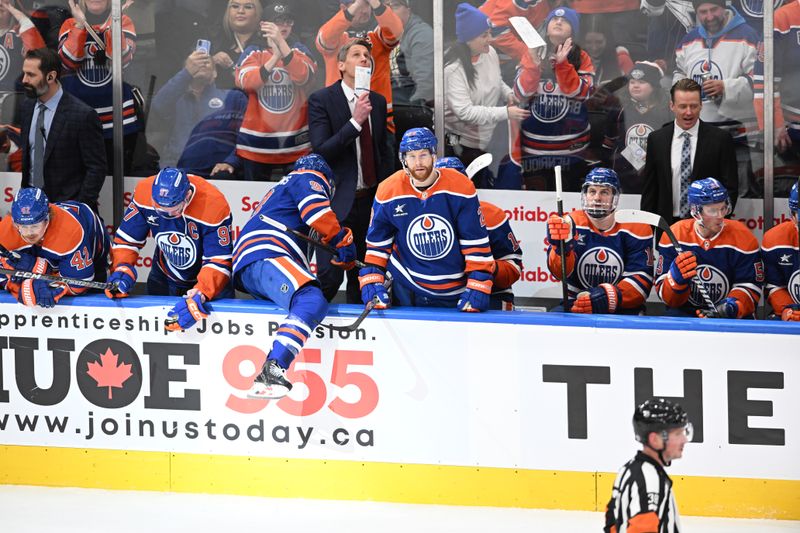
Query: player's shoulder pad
{"type": "Point", "coordinates": [782, 235]}
{"type": "Point", "coordinates": [737, 234]}
{"type": "Point", "coordinates": [396, 185]}
{"type": "Point", "coordinates": [643, 231]}
{"type": "Point", "coordinates": [9, 236]}
{"type": "Point", "coordinates": [143, 193]}
{"type": "Point", "coordinates": [453, 182]}
{"type": "Point", "coordinates": [579, 217]}
{"type": "Point", "coordinates": [494, 216]}
{"type": "Point", "coordinates": [208, 205]}
{"type": "Point", "coordinates": [683, 230]}
{"type": "Point", "coordinates": [64, 233]}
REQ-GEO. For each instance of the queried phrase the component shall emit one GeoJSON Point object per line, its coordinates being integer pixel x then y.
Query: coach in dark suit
{"type": "Point", "coordinates": [684, 151]}
{"type": "Point", "coordinates": [62, 139]}
{"type": "Point", "coordinates": [349, 131]}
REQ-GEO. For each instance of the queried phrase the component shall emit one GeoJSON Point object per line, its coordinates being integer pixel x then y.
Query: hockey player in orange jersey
{"type": "Point", "coordinates": [66, 239]}
{"type": "Point", "coordinates": [779, 249]}
{"type": "Point", "coordinates": [720, 254]}
{"type": "Point", "coordinates": [190, 221]}
{"type": "Point", "coordinates": [609, 263]}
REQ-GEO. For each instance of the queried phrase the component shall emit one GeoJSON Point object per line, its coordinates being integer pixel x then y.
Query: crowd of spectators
{"type": "Point", "coordinates": [222, 88]}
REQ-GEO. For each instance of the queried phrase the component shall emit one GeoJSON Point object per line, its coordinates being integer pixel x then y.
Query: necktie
{"type": "Point", "coordinates": [367, 157]}
{"type": "Point", "coordinates": [686, 172]}
{"type": "Point", "coordinates": [38, 149]}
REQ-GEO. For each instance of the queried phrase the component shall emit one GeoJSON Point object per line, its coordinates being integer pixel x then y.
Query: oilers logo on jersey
{"type": "Point", "coordinates": [90, 73]}
{"type": "Point", "coordinates": [5, 62]}
{"type": "Point", "coordinates": [430, 237]}
{"type": "Point", "coordinates": [715, 282]}
{"type": "Point", "coordinates": [794, 286]}
{"type": "Point", "coordinates": [637, 134]}
{"type": "Point", "coordinates": [599, 265]}
{"type": "Point", "coordinates": [179, 250]}
{"type": "Point", "coordinates": [549, 107]}
{"type": "Point", "coordinates": [278, 95]}
{"type": "Point", "coordinates": [755, 8]}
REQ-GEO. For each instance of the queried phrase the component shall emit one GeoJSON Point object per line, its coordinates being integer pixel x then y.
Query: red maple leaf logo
{"type": "Point", "coordinates": [107, 373]}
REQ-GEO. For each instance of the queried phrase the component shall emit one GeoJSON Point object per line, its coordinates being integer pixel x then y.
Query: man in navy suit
{"type": "Point", "coordinates": [349, 131]}
{"type": "Point", "coordinates": [72, 162]}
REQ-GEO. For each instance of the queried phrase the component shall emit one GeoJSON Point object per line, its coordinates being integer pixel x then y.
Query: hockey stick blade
{"type": "Point", "coordinates": [354, 326]}
{"type": "Point", "coordinates": [478, 164]}
{"type": "Point", "coordinates": [300, 235]}
{"type": "Point", "coordinates": [57, 279]}
{"type": "Point", "coordinates": [652, 219]}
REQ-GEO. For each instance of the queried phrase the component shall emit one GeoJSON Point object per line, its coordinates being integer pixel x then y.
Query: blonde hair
{"type": "Point", "coordinates": [226, 25]}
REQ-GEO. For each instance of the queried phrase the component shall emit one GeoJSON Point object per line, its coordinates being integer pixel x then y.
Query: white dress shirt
{"type": "Point", "coordinates": [351, 97]}
{"type": "Point", "coordinates": [675, 160]}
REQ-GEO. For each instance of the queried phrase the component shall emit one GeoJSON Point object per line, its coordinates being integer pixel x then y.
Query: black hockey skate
{"type": "Point", "coordinates": [271, 383]}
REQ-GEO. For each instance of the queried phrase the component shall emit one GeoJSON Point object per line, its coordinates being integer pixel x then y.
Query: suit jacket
{"type": "Point", "coordinates": [334, 137]}
{"type": "Point", "coordinates": [75, 153]}
{"type": "Point", "coordinates": [714, 158]}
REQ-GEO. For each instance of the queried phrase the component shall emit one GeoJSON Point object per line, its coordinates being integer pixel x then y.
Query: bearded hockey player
{"type": "Point", "coordinates": [428, 231]}
{"type": "Point", "coordinates": [642, 498]}
{"type": "Point", "coordinates": [721, 254]}
{"type": "Point", "coordinates": [190, 221]}
{"type": "Point", "coordinates": [270, 263]}
{"type": "Point", "coordinates": [505, 247]}
{"type": "Point", "coordinates": [609, 263]}
{"type": "Point", "coordinates": [782, 265]}
{"type": "Point", "coordinates": [66, 239]}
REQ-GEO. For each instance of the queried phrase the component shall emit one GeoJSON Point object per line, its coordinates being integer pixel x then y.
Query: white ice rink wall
{"type": "Point", "coordinates": [419, 406]}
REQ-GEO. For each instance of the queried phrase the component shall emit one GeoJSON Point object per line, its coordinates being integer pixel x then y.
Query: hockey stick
{"type": "Point", "coordinates": [478, 164]}
{"type": "Point", "coordinates": [303, 236]}
{"type": "Point", "coordinates": [57, 279]}
{"type": "Point", "coordinates": [652, 219]}
{"type": "Point", "coordinates": [561, 251]}
{"type": "Point", "coordinates": [367, 309]}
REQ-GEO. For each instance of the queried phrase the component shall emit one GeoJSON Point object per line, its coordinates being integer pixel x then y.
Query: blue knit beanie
{"type": "Point", "coordinates": [470, 23]}
{"type": "Point", "coordinates": [570, 15]}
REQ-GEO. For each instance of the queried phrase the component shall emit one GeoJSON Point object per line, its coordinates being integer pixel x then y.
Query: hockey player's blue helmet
{"type": "Point", "coordinates": [30, 206]}
{"type": "Point", "coordinates": [659, 415]}
{"type": "Point", "coordinates": [705, 192]}
{"type": "Point", "coordinates": [793, 199]}
{"type": "Point", "coordinates": [597, 206]}
{"type": "Point", "coordinates": [418, 139]}
{"type": "Point", "coordinates": [170, 186]}
{"type": "Point", "coordinates": [451, 162]}
{"type": "Point", "coordinates": [315, 162]}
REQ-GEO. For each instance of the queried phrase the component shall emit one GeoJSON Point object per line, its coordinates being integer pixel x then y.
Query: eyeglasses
{"type": "Point", "coordinates": [285, 22]}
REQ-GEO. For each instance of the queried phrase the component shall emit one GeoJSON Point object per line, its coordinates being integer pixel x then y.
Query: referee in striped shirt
{"type": "Point", "coordinates": [642, 500]}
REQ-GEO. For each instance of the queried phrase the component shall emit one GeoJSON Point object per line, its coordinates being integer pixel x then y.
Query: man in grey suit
{"type": "Point", "coordinates": [62, 139]}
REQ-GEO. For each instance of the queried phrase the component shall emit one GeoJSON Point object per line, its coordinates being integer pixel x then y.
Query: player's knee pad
{"type": "Point", "coordinates": [309, 305]}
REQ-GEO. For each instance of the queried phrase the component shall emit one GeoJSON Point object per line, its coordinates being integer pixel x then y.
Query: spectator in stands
{"type": "Point", "coordinates": [210, 151]}
{"type": "Point", "coordinates": [240, 25]}
{"type": "Point", "coordinates": [668, 22]}
{"type": "Point", "coordinates": [476, 98]}
{"type": "Point", "coordinates": [412, 61]}
{"type": "Point", "coordinates": [274, 133]}
{"type": "Point", "coordinates": [554, 84]}
{"type": "Point", "coordinates": [787, 81]}
{"type": "Point", "coordinates": [719, 54]}
{"type": "Point", "coordinates": [184, 100]}
{"type": "Point", "coordinates": [509, 46]}
{"type": "Point", "coordinates": [610, 64]}
{"type": "Point", "coordinates": [351, 21]}
{"type": "Point", "coordinates": [622, 19]}
{"type": "Point", "coordinates": [753, 12]}
{"type": "Point", "coordinates": [88, 64]}
{"type": "Point", "coordinates": [682, 152]}
{"type": "Point", "coordinates": [17, 36]}
{"type": "Point", "coordinates": [643, 110]}
{"type": "Point", "coordinates": [350, 131]}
